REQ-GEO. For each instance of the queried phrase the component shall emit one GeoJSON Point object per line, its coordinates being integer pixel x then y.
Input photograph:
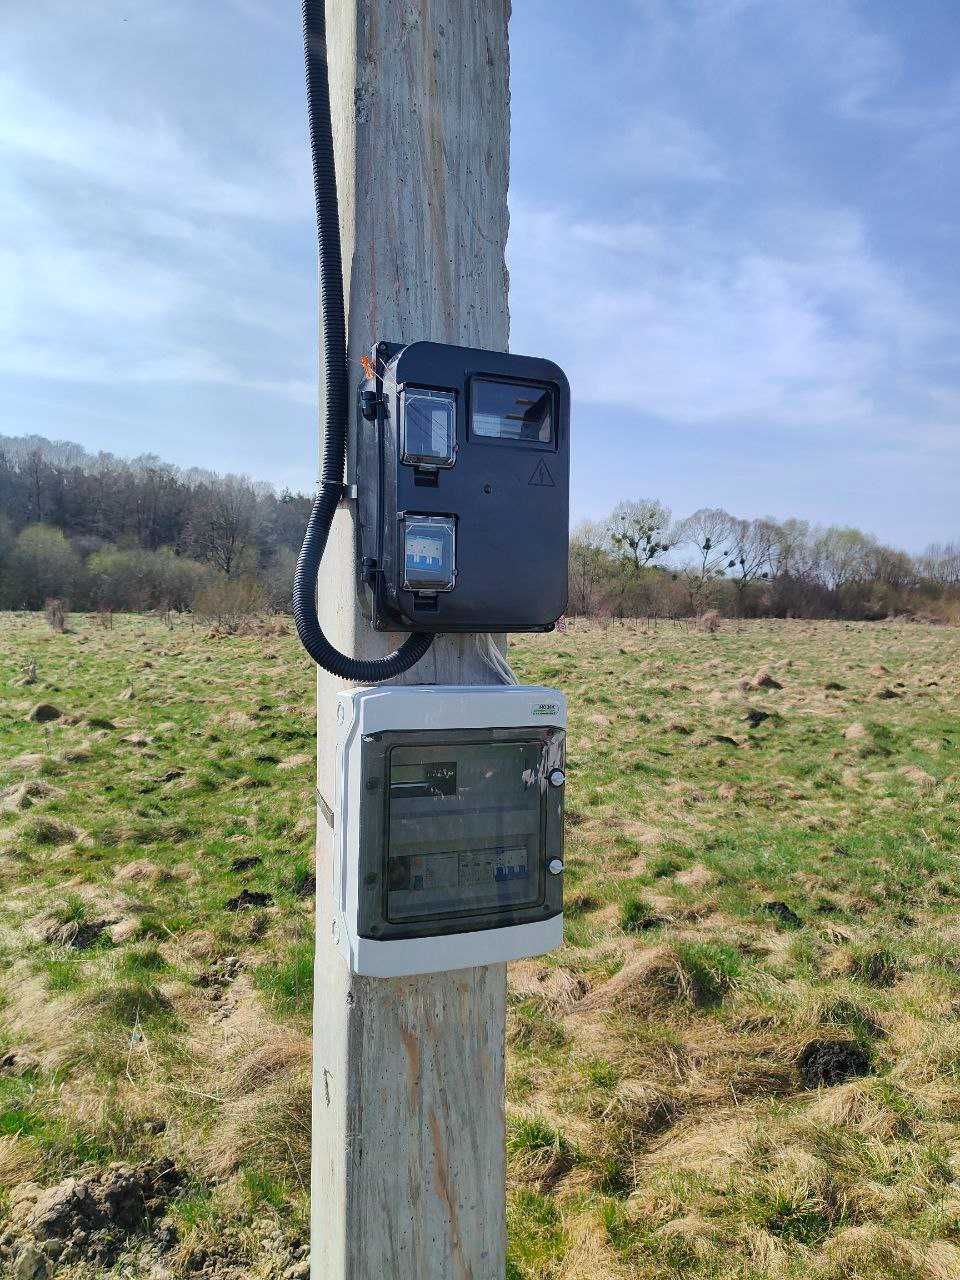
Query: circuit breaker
{"type": "Point", "coordinates": [448, 826]}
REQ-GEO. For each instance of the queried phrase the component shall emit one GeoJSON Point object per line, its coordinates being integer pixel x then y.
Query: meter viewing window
{"type": "Point", "coordinates": [511, 411]}
{"type": "Point", "coordinates": [429, 553]}
{"type": "Point", "coordinates": [428, 426]}
{"type": "Point", "coordinates": [464, 836]}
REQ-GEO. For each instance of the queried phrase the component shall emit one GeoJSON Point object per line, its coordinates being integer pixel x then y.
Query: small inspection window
{"type": "Point", "coordinates": [429, 553]}
{"type": "Point", "coordinates": [428, 427]}
{"type": "Point", "coordinates": [512, 411]}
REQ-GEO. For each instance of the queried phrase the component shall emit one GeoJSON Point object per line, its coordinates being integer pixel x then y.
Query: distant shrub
{"type": "Point", "coordinates": [134, 580]}
{"type": "Point", "coordinates": [42, 566]}
{"type": "Point", "coordinates": [230, 603]}
{"type": "Point", "coordinates": [277, 578]}
{"type": "Point", "coordinates": [56, 614]}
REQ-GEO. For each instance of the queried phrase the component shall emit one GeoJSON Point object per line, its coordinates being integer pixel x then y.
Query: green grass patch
{"type": "Point", "coordinates": [287, 983]}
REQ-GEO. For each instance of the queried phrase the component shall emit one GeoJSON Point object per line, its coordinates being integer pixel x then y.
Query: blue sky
{"type": "Point", "coordinates": [734, 223]}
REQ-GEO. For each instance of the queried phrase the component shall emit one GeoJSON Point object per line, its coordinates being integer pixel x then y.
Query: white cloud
{"type": "Point", "coordinates": [126, 258]}
{"type": "Point", "coordinates": [147, 157]}
{"type": "Point", "coordinates": [155, 215]}
{"type": "Point", "coordinates": [624, 237]}
{"type": "Point", "coordinates": [107, 286]}
{"type": "Point", "coordinates": [701, 325]}
{"type": "Point", "coordinates": [658, 144]}
{"type": "Point", "coordinates": [177, 364]}
{"type": "Point", "coordinates": [838, 52]}
{"type": "Point", "coordinates": [75, 309]}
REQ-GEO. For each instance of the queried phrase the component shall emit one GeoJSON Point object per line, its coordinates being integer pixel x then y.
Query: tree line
{"type": "Point", "coordinates": [104, 532]}
{"type": "Point", "coordinates": [640, 562]}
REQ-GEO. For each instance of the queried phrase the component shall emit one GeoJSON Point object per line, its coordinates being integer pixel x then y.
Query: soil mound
{"type": "Point", "coordinates": [89, 1218]}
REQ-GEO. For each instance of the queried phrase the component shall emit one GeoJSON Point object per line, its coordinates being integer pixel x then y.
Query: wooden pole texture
{"type": "Point", "coordinates": [408, 1128]}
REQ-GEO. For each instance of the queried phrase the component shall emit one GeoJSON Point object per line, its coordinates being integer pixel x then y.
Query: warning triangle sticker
{"type": "Point", "coordinates": [541, 478]}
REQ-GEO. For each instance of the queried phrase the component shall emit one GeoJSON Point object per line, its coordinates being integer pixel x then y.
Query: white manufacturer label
{"type": "Point", "coordinates": [546, 709]}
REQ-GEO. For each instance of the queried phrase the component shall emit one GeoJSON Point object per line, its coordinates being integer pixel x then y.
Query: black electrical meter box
{"type": "Point", "coordinates": [462, 474]}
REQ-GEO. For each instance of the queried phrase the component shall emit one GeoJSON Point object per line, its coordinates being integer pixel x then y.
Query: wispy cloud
{"type": "Point", "coordinates": [130, 255]}
{"type": "Point", "coordinates": [768, 258]}
{"type": "Point", "coordinates": [688, 325]}
{"type": "Point", "coordinates": [660, 145]}
{"type": "Point", "coordinates": [147, 158]}
{"type": "Point", "coordinates": [844, 53]}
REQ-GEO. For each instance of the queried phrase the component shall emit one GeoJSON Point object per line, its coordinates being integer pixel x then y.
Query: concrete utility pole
{"type": "Point", "coordinates": [408, 1129]}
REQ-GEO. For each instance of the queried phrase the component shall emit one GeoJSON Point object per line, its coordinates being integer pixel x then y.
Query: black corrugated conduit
{"type": "Point", "coordinates": [334, 383]}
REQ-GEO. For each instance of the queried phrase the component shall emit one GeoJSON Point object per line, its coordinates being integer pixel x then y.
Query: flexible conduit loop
{"type": "Point", "coordinates": [334, 382]}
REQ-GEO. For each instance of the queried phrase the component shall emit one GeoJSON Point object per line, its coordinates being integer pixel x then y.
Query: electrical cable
{"type": "Point", "coordinates": [334, 382]}
{"type": "Point", "coordinates": [491, 656]}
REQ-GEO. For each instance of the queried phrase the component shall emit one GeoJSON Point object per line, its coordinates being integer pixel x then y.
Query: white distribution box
{"type": "Point", "coordinates": [448, 826]}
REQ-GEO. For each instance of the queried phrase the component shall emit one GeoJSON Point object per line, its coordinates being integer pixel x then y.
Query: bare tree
{"type": "Point", "coordinates": [890, 568]}
{"type": "Point", "coordinates": [791, 565]}
{"type": "Point", "coordinates": [753, 546]}
{"type": "Point", "coordinates": [711, 536]}
{"type": "Point", "coordinates": [940, 564]}
{"type": "Point", "coordinates": [35, 468]}
{"type": "Point", "coordinates": [226, 523]}
{"type": "Point", "coordinates": [790, 549]}
{"type": "Point", "coordinates": [158, 501]}
{"type": "Point", "coordinates": [842, 556]}
{"type": "Point", "coordinates": [640, 531]}
{"type": "Point", "coordinates": [588, 566]}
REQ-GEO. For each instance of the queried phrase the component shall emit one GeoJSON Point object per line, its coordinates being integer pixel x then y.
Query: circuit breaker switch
{"type": "Point", "coordinates": [429, 553]}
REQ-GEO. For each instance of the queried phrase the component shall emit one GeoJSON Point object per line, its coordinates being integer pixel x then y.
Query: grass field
{"type": "Point", "coordinates": [744, 1062]}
